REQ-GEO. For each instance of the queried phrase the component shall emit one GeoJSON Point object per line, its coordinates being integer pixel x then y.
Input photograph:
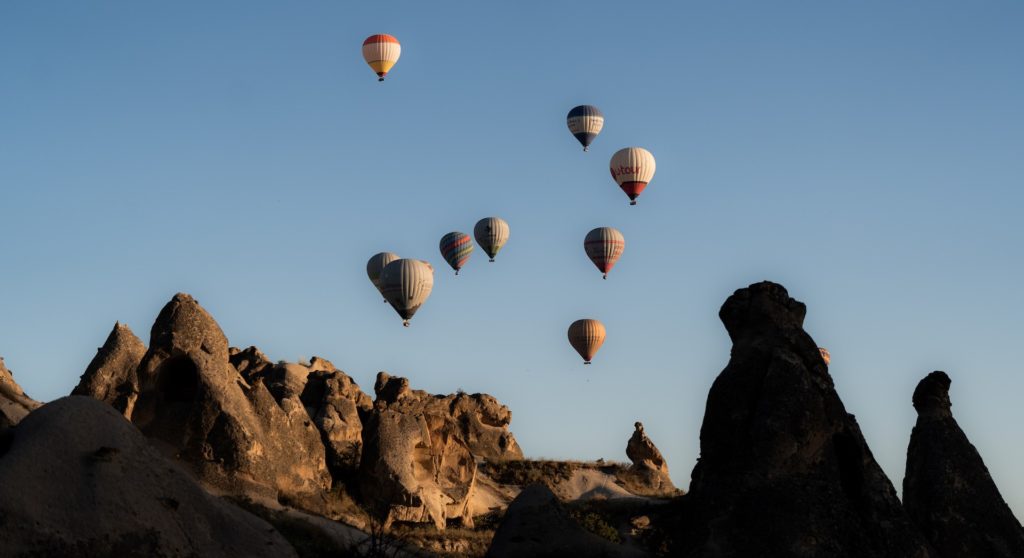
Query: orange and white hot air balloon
{"type": "Point", "coordinates": [586, 336]}
{"type": "Point", "coordinates": [381, 52]}
{"type": "Point", "coordinates": [632, 168]}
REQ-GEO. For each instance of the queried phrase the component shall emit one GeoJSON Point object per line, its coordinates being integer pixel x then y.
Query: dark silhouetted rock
{"type": "Point", "coordinates": [947, 490]}
{"type": "Point", "coordinates": [195, 403]}
{"type": "Point", "coordinates": [78, 481]}
{"type": "Point", "coordinates": [648, 475]}
{"type": "Point", "coordinates": [420, 451]}
{"type": "Point", "coordinates": [251, 363]}
{"type": "Point", "coordinates": [784, 470]}
{"type": "Point", "coordinates": [111, 376]}
{"type": "Point", "coordinates": [14, 404]}
{"type": "Point", "coordinates": [537, 526]}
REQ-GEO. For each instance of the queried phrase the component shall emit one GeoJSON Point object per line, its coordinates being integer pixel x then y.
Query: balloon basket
{"type": "Point", "coordinates": [605, 277]}
{"type": "Point", "coordinates": [586, 148]}
{"type": "Point", "coordinates": [586, 362]}
{"type": "Point", "coordinates": [405, 323]}
{"type": "Point", "coordinates": [632, 202]}
{"type": "Point", "coordinates": [491, 260]}
{"type": "Point", "coordinates": [380, 79]}
{"type": "Point", "coordinates": [456, 272]}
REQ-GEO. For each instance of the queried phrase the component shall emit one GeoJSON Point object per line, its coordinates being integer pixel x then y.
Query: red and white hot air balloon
{"type": "Point", "coordinates": [604, 246]}
{"type": "Point", "coordinates": [632, 168]}
{"type": "Point", "coordinates": [381, 52]}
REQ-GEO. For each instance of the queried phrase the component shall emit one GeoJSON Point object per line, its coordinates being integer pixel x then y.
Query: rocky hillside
{"type": "Point", "coordinates": [187, 446]}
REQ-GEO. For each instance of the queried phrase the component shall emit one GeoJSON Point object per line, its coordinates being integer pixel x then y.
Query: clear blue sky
{"type": "Point", "coordinates": [866, 155]}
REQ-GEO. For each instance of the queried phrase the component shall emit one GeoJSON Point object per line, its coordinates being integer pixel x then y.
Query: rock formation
{"type": "Point", "coordinates": [648, 475]}
{"type": "Point", "coordinates": [195, 403]}
{"type": "Point", "coordinates": [784, 470]}
{"type": "Point", "coordinates": [947, 490]}
{"type": "Point", "coordinates": [111, 376]}
{"type": "Point", "coordinates": [14, 404]}
{"type": "Point", "coordinates": [336, 404]}
{"type": "Point", "coordinates": [536, 525]}
{"type": "Point", "coordinates": [420, 451]}
{"type": "Point", "coordinates": [79, 481]}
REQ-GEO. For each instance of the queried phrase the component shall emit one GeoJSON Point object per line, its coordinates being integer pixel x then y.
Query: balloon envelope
{"type": "Point", "coordinates": [381, 52]}
{"type": "Point", "coordinates": [586, 336]}
{"type": "Point", "coordinates": [376, 265]}
{"type": "Point", "coordinates": [632, 168]}
{"type": "Point", "coordinates": [406, 284]}
{"type": "Point", "coordinates": [585, 122]}
{"type": "Point", "coordinates": [491, 234]}
{"type": "Point", "coordinates": [456, 248]}
{"type": "Point", "coordinates": [604, 246]}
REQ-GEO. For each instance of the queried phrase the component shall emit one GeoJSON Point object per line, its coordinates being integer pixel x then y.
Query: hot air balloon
{"type": "Point", "coordinates": [585, 122]}
{"type": "Point", "coordinates": [825, 356]}
{"type": "Point", "coordinates": [406, 284]}
{"type": "Point", "coordinates": [376, 265]}
{"type": "Point", "coordinates": [586, 336]}
{"type": "Point", "coordinates": [381, 52]}
{"type": "Point", "coordinates": [632, 168]}
{"type": "Point", "coordinates": [604, 246]}
{"type": "Point", "coordinates": [455, 249]}
{"type": "Point", "coordinates": [491, 234]}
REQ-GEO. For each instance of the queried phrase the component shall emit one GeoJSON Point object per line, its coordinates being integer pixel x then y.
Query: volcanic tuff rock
{"type": "Point", "coordinates": [784, 470]}
{"type": "Point", "coordinates": [649, 473]}
{"type": "Point", "coordinates": [947, 490]}
{"type": "Point", "coordinates": [420, 451]}
{"type": "Point", "coordinates": [536, 525]}
{"type": "Point", "coordinates": [336, 404]}
{"type": "Point", "coordinates": [79, 481]}
{"type": "Point", "coordinates": [234, 434]}
{"type": "Point", "coordinates": [111, 376]}
{"type": "Point", "coordinates": [14, 404]}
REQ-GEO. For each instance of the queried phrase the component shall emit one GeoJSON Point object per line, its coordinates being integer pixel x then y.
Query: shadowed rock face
{"type": "Point", "coordinates": [420, 450]}
{"type": "Point", "coordinates": [14, 404]}
{"type": "Point", "coordinates": [111, 376]}
{"type": "Point", "coordinates": [947, 490]}
{"type": "Point", "coordinates": [80, 482]}
{"type": "Point", "coordinates": [784, 469]}
{"type": "Point", "coordinates": [193, 402]}
{"type": "Point", "coordinates": [648, 475]}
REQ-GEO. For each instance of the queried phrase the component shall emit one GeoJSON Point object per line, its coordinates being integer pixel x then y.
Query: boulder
{"type": "Point", "coordinates": [784, 470]}
{"type": "Point", "coordinates": [194, 403]}
{"type": "Point", "coordinates": [537, 525]}
{"type": "Point", "coordinates": [648, 475]}
{"type": "Point", "coordinates": [111, 376]}
{"type": "Point", "coordinates": [420, 451]}
{"type": "Point", "coordinates": [947, 490]}
{"type": "Point", "coordinates": [79, 481]}
{"type": "Point", "coordinates": [14, 404]}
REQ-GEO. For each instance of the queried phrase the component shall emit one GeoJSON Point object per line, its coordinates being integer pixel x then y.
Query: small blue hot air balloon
{"type": "Point", "coordinates": [585, 122]}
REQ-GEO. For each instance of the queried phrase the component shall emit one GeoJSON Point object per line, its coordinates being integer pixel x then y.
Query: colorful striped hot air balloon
{"type": "Point", "coordinates": [381, 52]}
{"type": "Point", "coordinates": [585, 122]}
{"type": "Point", "coordinates": [455, 249]}
{"type": "Point", "coordinates": [406, 284]}
{"type": "Point", "coordinates": [632, 168]}
{"type": "Point", "coordinates": [586, 336]}
{"type": "Point", "coordinates": [491, 234]}
{"type": "Point", "coordinates": [376, 265]}
{"type": "Point", "coordinates": [604, 246]}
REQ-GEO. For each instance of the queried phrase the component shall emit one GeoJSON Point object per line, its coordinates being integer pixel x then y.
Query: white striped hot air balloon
{"type": "Point", "coordinates": [585, 122]}
{"type": "Point", "coordinates": [376, 265]}
{"type": "Point", "coordinates": [604, 246]}
{"type": "Point", "coordinates": [586, 336]}
{"type": "Point", "coordinates": [406, 284]}
{"type": "Point", "coordinates": [632, 168]}
{"type": "Point", "coordinates": [381, 52]}
{"type": "Point", "coordinates": [491, 234]}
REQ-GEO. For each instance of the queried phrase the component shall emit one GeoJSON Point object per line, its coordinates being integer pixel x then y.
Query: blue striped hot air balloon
{"type": "Point", "coordinates": [455, 249]}
{"type": "Point", "coordinates": [585, 122]}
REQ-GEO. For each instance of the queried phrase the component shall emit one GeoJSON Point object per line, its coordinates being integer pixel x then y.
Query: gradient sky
{"type": "Point", "coordinates": [868, 156]}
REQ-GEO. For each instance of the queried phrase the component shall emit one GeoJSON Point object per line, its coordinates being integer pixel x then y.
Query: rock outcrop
{"type": "Point", "coordinates": [195, 403]}
{"type": "Point", "coordinates": [79, 481]}
{"type": "Point", "coordinates": [111, 376]}
{"type": "Point", "coordinates": [14, 404]}
{"type": "Point", "coordinates": [337, 405]}
{"type": "Point", "coordinates": [536, 525]}
{"type": "Point", "coordinates": [648, 475]}
{"type": "Point", "coordinates": [420, 451]}
{"type": "Point", "coordinates": [784, 470]}
{"type": "Point", "coordinates": [947, 490]}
